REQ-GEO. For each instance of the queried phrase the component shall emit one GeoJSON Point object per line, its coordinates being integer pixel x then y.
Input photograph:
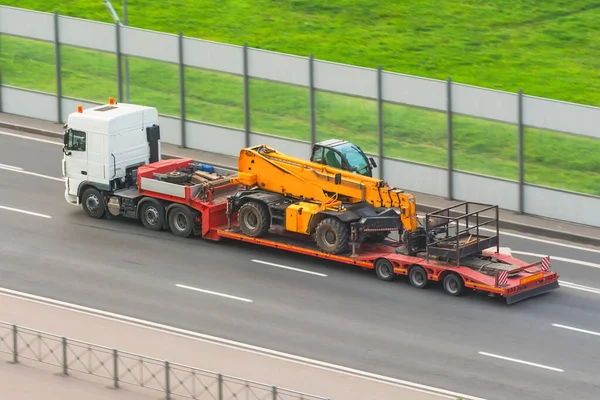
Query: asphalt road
{"type": "Point", "coordinates": [347, 317]}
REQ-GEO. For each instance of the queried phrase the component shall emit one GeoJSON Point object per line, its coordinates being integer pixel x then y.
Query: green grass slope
{"type": "Point", "coordinates": [547, 48]}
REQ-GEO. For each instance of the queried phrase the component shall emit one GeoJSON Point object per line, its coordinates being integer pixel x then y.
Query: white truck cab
{"type": "Point", "coordinates": [104, 144]}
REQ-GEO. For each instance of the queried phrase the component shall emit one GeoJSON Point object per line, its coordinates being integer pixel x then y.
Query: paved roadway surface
{"type": "Point", "coordinates": [347, 317]}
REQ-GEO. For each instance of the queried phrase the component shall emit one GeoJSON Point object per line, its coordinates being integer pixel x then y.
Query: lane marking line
{"type": "Point", "coordinates": [576, 329]}
{"type": "Point", "coordinates": [534, 239]}
{"type": "Point", "coordinates": [10, 167]}
{"type": "Point", "coordinates": [25, 212]}
{"type": "Point", "coordinates": [567, 260]}
{"type": "Point", "coordinates": [214, 293]}
{"type": "Point", "coordinates": [290, 268]}
{"type": "Point", "coordinates": [30, 138]}
{"type": "Point", "coordinates": [248, 348]}
{"type": "Point", "coordinates": [579, 287]}
{"type": "Point", "coordinates": [521, 361]}
{"type": "Point", "coordinates": [21, 171]}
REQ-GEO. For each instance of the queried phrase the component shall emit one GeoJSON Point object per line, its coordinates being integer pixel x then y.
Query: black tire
{"type": "Point", "coordinates": [181, 221]}
{"type": "Point", "coordinates": [332, 236]}
{"type": "Point", "coordinates": [385, 270]}
{"type": "Point", "coordinates": [254, 219]}
{"type": "Point", "coordinates": [453, 284]}
{"type": "Point", "coordinates": [152, 214]}
{"type": "Point", "coordinates": [92, 202]}
{"type": "Point", "coordinates": [417, 276]}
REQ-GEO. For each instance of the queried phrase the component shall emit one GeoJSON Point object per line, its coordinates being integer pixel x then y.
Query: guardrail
{"type": "Point", "coordinates": [123, 367]}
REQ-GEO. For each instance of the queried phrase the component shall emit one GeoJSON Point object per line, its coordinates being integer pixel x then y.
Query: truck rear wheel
{"type": "Point", "coordinates": [254, 219]}
{"type": "Point", "coordinates": [152, 214]}
{"type": "Point", "coordinates": [417, 276]}
{"type": "Point", "coordinates": [332, 236]}
{"type": "Point", "coordinates": [181, 221]}
{"type": "Point", "coordinates": [93, 202]}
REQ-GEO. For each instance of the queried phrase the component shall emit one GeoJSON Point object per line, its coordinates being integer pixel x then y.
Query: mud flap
{"type": "Point", "coordinates": [532, 293]}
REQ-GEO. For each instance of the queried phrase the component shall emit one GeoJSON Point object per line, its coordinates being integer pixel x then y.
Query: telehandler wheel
{"type": "Point", "coordinates": [332, 236]}
{"type": "Point", "coordinates": [417, 276]}
{"type": "Point", "coordinates": [385, 270]}
{"type": "Point", "coordinates": [254, 219]}
{"type": "Point", "coordinates": [93, 203]}
{"type": "Point", "coordinates": [453, 284]}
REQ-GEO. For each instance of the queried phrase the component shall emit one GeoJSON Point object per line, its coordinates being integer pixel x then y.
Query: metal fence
{"type": "Point", "coordinates": [446, 100]}
{"type": "Point", "coordinates": [172, 379]}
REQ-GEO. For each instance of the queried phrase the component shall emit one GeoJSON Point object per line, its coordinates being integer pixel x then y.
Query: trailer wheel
{"type": "Point", "coordinates": [332, 236]}
{"type": "Point", "coordinates": [453, 284]}
{"type": "Point", "coordinates": [417, 276]}
{"type": "Point", "coordinates": [152, 214]}
{"type": "Point", "coordinates": [181, 221]}
{"type": "Point", "coordinates": [93, 202]}
{"type": "Point", "coordinates": [254, 219]}
{"type": "Point", "coordinates": [385, 270]}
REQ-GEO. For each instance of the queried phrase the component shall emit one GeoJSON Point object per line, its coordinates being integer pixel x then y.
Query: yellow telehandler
{"type": "Point", "coordinates": [334, 205]}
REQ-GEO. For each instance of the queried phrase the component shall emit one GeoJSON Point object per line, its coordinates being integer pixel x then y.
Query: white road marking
{"type": "Point", "coordinates": [534, 239]}
{"type": "Point", "coordinates": [30, 138]}
{"type": "Point", "coordinates": [576, 329]}
{"type": "Point", "coordinates": [21, 171]}
{"type": "Point", "coordinates": [11, 167]}
{"type": "Point", "coordinates": [214, 293]}
{"type": "Point", "coordinates": [24, 212]}
{"type": "Point", "coordinates": [579, 287]}
{"type": "Point", "coordinates": [290, 268]}
{"type": "Point", "coordinates": [521, 361]}
{"type": "Point", "coordinates": [568, 260]}
{"type": "Point", "coordinates": [237, 345]}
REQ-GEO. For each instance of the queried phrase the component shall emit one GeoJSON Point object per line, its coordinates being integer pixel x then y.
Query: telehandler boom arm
{"type": "Point", "coordinates": [328, 187]}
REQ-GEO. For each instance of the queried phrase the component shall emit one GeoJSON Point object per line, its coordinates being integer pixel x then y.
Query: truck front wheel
{"type": "Point", "coordinates": [254, 219]}
{"type": "Point", "coordinates": [93, 202]}
{"type": "Point", "coordinates": [332, 236]}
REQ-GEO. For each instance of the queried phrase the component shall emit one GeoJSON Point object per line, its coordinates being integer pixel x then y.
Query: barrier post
{"type": "Point", "coordinates": [64, 354]}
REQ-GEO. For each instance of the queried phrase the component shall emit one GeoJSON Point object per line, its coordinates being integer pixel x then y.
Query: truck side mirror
{"type": "Point", "coordinates": [66, 139]}
{"type": "Point", "coordinates": [338, 178]}
{"type": "Point", "coordinates": [373, 163]}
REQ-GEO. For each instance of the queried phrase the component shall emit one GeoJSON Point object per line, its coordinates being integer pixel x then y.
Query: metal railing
{"type": "Point", "coordinates": [450, 245]}
{"type": "Point", "coordinates": [123, 367]}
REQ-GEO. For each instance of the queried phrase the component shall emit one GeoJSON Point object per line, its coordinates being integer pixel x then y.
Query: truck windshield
{"type": "Point", "coordinates": [354, 157]}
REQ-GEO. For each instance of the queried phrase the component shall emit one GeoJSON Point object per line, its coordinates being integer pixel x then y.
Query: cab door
{"type": "Point", "coordinates": [76, 160]}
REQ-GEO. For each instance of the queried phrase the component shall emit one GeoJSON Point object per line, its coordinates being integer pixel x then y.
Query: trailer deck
{"type": "Point", "coordinates": [523, 280]}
